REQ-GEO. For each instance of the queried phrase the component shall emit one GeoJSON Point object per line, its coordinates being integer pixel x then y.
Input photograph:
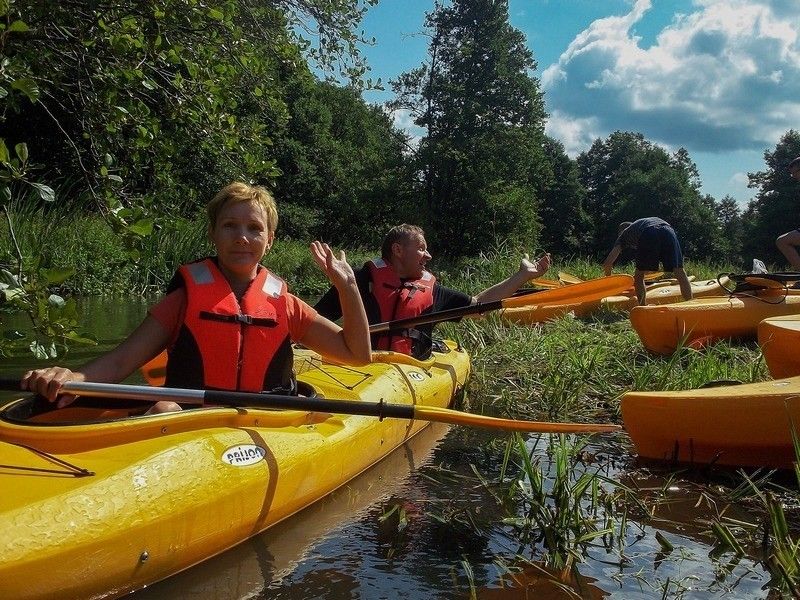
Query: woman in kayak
{"type": "Point", "coordinates": [398, 285]}
{"type": "Point", "coordinates": [226, 321]}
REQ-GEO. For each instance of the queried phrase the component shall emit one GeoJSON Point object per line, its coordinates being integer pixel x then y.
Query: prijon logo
{"type": "Point", "coordinates": [416, 376]}
{"type": "Point", "coordinates": [243, 455]}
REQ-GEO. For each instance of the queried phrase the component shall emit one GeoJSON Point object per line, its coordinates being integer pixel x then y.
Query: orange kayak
{"type": "Point", "coordinates": [779, 338]}
{"type": "Point", "coordinates": [737, 425]}
{"type": "Point", "coordinates": [704, 320]}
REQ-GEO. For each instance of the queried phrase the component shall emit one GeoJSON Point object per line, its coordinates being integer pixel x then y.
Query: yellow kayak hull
{"type": "Point", "coordinates": [779, 338]}
{"type": "Point", "coordinates": [169, 491]}
{"type": "Point", "coordinates": [737, 425]}
{"type": "Point", "coordinates": [705, 320]}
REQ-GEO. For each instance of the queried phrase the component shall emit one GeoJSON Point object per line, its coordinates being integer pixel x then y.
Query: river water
{"type": "Point", "coordinates": [422, 524]}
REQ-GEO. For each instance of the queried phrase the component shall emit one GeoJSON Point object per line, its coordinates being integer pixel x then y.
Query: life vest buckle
{"type": "Point", "coordinates": [246, 319]}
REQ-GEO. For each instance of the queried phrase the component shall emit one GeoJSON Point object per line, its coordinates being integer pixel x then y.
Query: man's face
{"type": "Point", "coordinates": [411, 257]}
{"type": "Point", "coordinates": [795, 172]}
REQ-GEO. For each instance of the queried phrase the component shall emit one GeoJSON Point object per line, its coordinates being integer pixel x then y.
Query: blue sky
{"type": "Point", "coordinates": [720, 78]}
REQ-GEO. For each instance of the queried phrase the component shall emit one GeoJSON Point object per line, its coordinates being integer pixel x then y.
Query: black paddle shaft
{"type": "Point", "coordinates": [379, 409]}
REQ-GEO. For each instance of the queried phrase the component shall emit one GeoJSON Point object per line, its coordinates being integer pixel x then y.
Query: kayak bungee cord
{"type": "Point", "coordinates": [744, 284]}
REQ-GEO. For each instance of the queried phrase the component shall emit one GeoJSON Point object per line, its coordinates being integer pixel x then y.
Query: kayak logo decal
{"type": "Point", "coordinates": [243, 455]}
{"type": "Point", "coordinates": [416, 376]}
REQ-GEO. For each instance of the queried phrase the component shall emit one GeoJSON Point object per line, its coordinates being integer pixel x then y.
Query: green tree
{"type": "Point", "coordinates": [344, 176]}
{"type": "Point", "coordinates": [774, 209]}
{"type": "Point", "coordinates": [566, 226]}
{"type": "Point", "coordinates": [628, 177]}
{"type": "Point", "coordinates": [481, 163]}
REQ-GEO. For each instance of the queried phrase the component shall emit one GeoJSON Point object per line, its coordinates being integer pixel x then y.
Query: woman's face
{"type": "Point", "coordinates": [241, 237]}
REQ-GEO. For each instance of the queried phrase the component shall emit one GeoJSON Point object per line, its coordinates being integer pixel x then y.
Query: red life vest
{"type": "Point", "coordinates": [398, 300]}
{"type": "Point", "coordinates": [225, 345]}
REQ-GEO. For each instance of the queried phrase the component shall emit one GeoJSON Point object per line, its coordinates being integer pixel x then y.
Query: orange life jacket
{"type": "Point", "coordinates": [223, 344]}
{"type": "Point", "coordinates": [398, 300]}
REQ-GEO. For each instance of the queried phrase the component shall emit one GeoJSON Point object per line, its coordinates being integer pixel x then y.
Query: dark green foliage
{"type": "Point", "coordinates": [628, 177]}
{"type": "Point", "coordinates": [344, 175]}
{"type": "Point", "coordinates": [567, 228]}
{"type": "Point", "coordinates": [774, 209]}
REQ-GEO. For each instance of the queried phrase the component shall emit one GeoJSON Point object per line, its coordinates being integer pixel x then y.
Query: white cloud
{"type": "Point", "coordinates": [575, 134]}
{"type": "Point", "coordinates": [404, 121]}
{"type": "Point", "coordinates": [739, 179]}
{"type": "Point", "coordinates": [724, 77]}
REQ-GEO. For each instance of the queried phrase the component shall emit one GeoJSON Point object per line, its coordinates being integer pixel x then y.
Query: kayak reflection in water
{"type": "Point", "coordinates": [397, 286]}
{"type": "Point", "coordinates": [226, 321]}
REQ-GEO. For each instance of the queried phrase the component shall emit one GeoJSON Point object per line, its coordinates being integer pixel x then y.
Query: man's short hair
{"type": "Point", "coordinates": [795, 164]}
{"type": "Point", "coordinates": [399, 234]}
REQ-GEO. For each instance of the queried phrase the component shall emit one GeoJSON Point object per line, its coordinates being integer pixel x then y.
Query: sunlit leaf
{"type": "Point", "coordinates": [28, 87]}
{"type": "Point", "coordinates": [22, 151]}
{"type": "Point", "coordinates": [18, 26]}
{"type": "Point", "coordinates": [143, 227]}
{"type": "Point", "coordinates": [56, 301]}
{"type": "Point", "coordinates": [58, 276]}
{"type": "Point", "coordinates": [46, 193]}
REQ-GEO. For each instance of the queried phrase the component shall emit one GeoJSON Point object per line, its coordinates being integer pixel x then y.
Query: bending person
{"type": "Point", "coordinates": [654, 241]}
{"type": "Point", "coordinates": [226, 321]}
{"type": "Point", "coordinates": [788, 242]}
{"type": "Point", "coordinates": [398, 286]}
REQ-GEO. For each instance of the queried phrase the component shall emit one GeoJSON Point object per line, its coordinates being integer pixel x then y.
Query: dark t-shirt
{"type": "Point", "coordinates": [443, 299]}
{"type": "Point", "coordinates": [630, 237]}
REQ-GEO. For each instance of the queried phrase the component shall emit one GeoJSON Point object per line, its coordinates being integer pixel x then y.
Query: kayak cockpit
{"type": "Point", "coordinates": [36, 410]}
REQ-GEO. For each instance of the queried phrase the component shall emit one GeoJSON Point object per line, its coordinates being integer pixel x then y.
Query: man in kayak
{"type": "Point", "coordinates": [397, 286]}
{"type": "Point", "coordinates": [788, 242]}
{"type": "Point", "coordinates": [653, 241]}
{"type": "Point", "coordinates": [226, 321]}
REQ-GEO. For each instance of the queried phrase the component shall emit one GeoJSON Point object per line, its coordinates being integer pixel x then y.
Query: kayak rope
{"type": "Point", "coordinates": [741, 289]}
{"type": "Point", "coordinates": [314, 365]}
{"type": "Point", "coordinates": [73, 470]}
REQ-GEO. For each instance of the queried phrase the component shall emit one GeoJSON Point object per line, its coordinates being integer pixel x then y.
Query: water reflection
{"type": "Point", "coordinates": [108, 321]}
{"type": "Point", "coordinates": [261, 564]}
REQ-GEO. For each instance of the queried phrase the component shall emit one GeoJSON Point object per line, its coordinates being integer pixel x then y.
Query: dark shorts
{"type": "Point", "coordinates": [658, 245]}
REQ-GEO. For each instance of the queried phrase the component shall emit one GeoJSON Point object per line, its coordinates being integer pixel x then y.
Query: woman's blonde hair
{"type": "Point", "coordinates": [242, 192]}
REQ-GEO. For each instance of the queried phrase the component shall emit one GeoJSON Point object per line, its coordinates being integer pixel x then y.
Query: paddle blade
{"type": "Point", "coordinates": [546, 283]}
{"type": "Point", "coordinates": [568, 278]}
{"type": "Point", "coordinates": [653, 276]}
{"type": "Point", "coordinates": [154, 371]}
{"type": "Point", "coordinates": [454, 417]}
{"type": "Point", "coordinates": [594, 289]}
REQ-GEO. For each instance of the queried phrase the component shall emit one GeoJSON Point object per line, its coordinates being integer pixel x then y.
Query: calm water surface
{"type": "Point", "coordinates": [450, 541]}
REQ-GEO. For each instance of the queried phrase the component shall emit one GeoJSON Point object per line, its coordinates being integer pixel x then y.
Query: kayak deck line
{"type": "Point", "coordinates": [71, 469]}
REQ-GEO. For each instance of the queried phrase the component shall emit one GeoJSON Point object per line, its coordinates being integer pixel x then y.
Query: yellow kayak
{"type": "Point", "coordinates": [779, 338]}
{"type": "Point", "coordinates": [737, 425]}
{"type": "Point", "coordinates": [704, 320]}
{"type": "Point", "coordinates": [105, 503]}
